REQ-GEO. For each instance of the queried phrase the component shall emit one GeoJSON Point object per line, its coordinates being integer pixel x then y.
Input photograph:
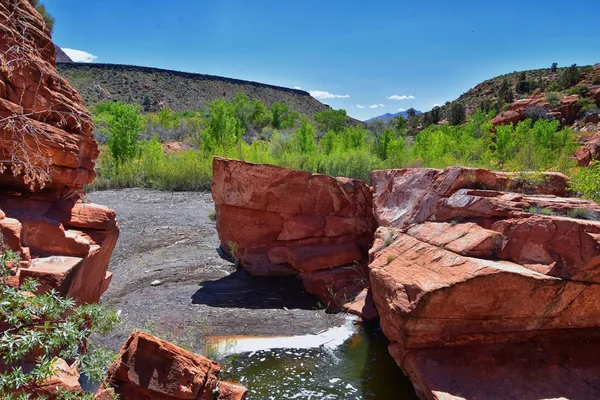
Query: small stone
{"type": "Point", "coordinates": [156, 283]}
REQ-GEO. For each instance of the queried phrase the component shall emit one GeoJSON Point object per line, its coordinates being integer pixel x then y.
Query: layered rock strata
{"type": "Point", "coordinates": [276, 221]}
{"type": "Point", "coordinates": [470, 266]}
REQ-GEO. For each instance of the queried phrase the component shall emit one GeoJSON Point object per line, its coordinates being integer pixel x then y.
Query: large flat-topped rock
{"type": "Point", "coordinates": [430, 297]}
{"type": "Point", "coordinates": [406, 196]}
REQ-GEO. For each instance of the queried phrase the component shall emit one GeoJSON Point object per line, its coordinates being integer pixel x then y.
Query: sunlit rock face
{"type": "Point", "coordinates": [47, 155]}
{"type": "Point", "coordinates": [277, 221]}
{"type": "Point", "coordinates": [482, 277]}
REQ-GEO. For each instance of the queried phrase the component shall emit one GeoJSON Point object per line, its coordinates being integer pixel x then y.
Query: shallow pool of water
{"type": "Point", "coordinates": [349, 362]}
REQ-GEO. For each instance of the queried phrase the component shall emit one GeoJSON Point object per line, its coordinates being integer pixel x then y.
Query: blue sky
{"type": "Point", "coordinates": [425, 53]}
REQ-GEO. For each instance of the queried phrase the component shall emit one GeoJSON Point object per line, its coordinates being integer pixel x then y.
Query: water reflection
{"type": "Point", "coordinates": [326, 366]}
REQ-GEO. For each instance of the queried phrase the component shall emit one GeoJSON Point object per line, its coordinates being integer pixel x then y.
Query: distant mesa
{"type": "Point", "coordinates": [387, 116]}
{"type": "Point", "coordinates": [61, 56]}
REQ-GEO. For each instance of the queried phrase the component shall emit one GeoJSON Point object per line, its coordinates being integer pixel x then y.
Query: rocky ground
{"type": "Point", "coordinates": [169, 237]}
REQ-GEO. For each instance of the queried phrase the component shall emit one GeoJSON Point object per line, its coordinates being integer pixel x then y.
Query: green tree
{"type": "Point", "coordinates": [41, 8]}
{"type": "Point", "coordinates": [36, 330]}
{"type": "Point", "coordinates": [331, 120]}
{"type": "Point", "coordinates": [456, 114]}
{"type": "Point", "coordinates": [124, 124]}
{"type": "Point", "coordinates": [282, 117]}
{"type": "Point", "coordinates": [400, 125]}
{"type": "Point", "coordinates": [411, 112]}
{"type": "Point", "coordinates": [505, 93]}
{"type": "Point", "coordinates": [304, 138]}
{"type": "Point", "coordinates": [554, 67]}
{"type": "Point", "coordinates": [223, 128]}
{"type": "Point", "coordinates": [570, 77]}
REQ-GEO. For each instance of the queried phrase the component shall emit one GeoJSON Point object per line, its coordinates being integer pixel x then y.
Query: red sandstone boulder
{"type": "Point", "coordinates": [406, 196]}
{"type": "Point", "coordinates": [430, 297]}
{"type": "Point", "coordinates": [589, 151]}
{"type": "Point", "coordinates": [150, 368]}
{"type": "Point", "coordinates": [469, 264]}
{"type": "Point", "coordinates": [276, 221]}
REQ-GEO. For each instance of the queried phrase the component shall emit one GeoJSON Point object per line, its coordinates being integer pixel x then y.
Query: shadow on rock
{"type": "Point", "coordinates": [241, 290]}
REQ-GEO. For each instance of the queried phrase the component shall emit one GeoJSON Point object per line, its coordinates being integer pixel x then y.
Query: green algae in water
{"type": "Point", "coordinates": [361, 368]}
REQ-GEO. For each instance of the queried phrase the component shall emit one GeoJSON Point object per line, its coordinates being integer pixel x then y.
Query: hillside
{"type": "Point", "coordinates": [537, 82]}
{"type": "Point", "coordinates": [155, 88]}
{"type": "Point", "coordinates": [388, 116]}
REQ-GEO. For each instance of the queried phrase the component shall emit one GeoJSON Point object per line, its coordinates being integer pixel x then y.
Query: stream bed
{"type": "Point", "coordinates": [347, 362]}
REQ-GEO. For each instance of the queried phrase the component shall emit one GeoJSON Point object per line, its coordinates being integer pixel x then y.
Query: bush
{"type": "Point", "coordinates": [581, 90]}
{"type": "Point", "coordinates": [554, 99]}
{"type": "Point", "coordinates": [585, 103]}
{"type": "Point", "coordinates": [586, 182]}
{"type": "Point", "coordinates": [596, 79]}
{"type": "Point", "coordinates": [42, 328]}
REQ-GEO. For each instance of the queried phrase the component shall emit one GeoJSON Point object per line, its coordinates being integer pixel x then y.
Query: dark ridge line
{"type": "Point", "coordinates": [189, 75]}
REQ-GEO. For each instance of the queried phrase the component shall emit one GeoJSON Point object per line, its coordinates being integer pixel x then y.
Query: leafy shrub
{"type": "Point", "coordinates": [584, 213]}
{"type": "Point", "coordinates": [42, 328]}
{"type": "Point", "coordinates": [553, 86]}
{"type": "Point", "coordinates": [331, 120]}
{"type": "Point", "coordinates": [554, 99]}
{"type": "Point", "coordinates": [586, 182]}
{"type": "Point", "coordinates": [585, 103]}
{"type": "Point", "coordinates": [505, 93]}
{"type": "Point", "coordinates": [581, 90]}
{"type": "Point", "coordinates": [540, 211]}
{"type": "Point", "coordinates": [596, 79]}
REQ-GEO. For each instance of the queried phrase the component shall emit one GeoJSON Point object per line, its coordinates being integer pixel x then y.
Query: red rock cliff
{"type": "Point", "coordinates": [47, 154]}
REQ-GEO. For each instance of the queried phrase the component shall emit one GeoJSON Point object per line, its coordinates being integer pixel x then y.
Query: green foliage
{"type": "Point", "coordinates": [123, 124]}
{"type": "Point", "coordinates": [331, 120]}
{"type": "Point", "coordinates": [596, 79]}
{"type": "Point", "coordinates": [352, 151]}
{"type": "Point", "coordinates": [43, 327]}
{"type": "Point", "coordinates": [584, 213]}
{"type": "Point", "coordinates": [581, 90]}
{"type": "Point", "coordinates": [554, 99]}
{"type": "Point", "coordinates": [505, 93]}
{"type": "Point", "coordinates": [540, 211]}
{"type": "Point", "coordinates": [411, 112]}
{"type": "Point", "coordinates": [553, 86]}
{"type": "Point", "coordinates": [456, 114]}
{"type": "Point", "coordinates": [523, 85]}
{"type": "Point", "coordinates": [224, 128]}
{"type": "Point", "coordinates": [554, 67]}
{"type": "Point", "coordinates": [282, 117]}
{"type": "Point", "coordinates": [586, 182]}
{"type": "Point", "coordinates": [41, 8]}
{"type": "Point", "coordinates": [585, 103]}
{"type": "Point", "coordinates": [570, 77]}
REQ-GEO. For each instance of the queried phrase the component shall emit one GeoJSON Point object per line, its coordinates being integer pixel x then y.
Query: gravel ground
{"type": "Point", "coordinates": [168, 236]}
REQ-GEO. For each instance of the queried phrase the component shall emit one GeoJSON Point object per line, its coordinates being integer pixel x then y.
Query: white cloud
{"type": "Point", "coordinates": [320, 94]}
{"type": "Point", "coordinates": [377, 106]}
{"type": "Point", "coordinates": [80, 55]}
{"type": "Point", "coordinates": [402, 97]}
{"type": "Point", "coordinates": [297, 87]}
{"type": "Point", "coordinates": [436, 105]}
{"type": "Point", "coordinates": [401, 109]}
{"type": "Point", "coordinates": [359, 106]}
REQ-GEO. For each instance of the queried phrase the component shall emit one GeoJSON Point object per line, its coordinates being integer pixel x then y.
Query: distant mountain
{"type": "Point", "coordinates": [180, 91]}
{"type": "Point", "coordinates": [61, 56]}
{"type": "Point", "coordinates": [386, 117]}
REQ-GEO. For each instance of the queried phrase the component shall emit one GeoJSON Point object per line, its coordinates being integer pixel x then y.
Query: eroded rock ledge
{"type": "Point", "coordinates": [486, 282]}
